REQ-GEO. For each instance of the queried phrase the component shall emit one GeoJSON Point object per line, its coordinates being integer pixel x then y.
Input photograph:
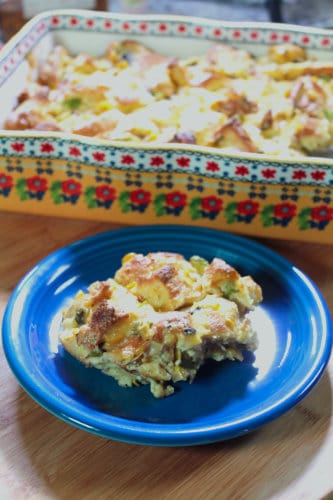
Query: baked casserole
{"type": "Point", "coordinates": [160, 318]}
{"type": "Point", "coordinates": [277, 103]}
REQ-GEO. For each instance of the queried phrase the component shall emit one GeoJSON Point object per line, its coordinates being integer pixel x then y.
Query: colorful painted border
{"type": "Point", "coordinates": [167, 160]}
{"type": "Point", "coordinates": [164, 196]}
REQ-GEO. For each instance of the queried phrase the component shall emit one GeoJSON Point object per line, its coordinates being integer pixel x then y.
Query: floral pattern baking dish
{"type": "Point", "coordinates": [61, 174]}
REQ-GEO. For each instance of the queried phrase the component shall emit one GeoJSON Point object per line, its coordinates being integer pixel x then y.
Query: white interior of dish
{"type": "Point", "coordinates": [11, 88]}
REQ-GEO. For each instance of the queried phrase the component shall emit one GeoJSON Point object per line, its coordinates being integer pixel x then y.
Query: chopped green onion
{"type": "Point", "coordinates": [72, 103]}
{"type": "Point", "coordinates": [329, 114]}
{"type": "Point", "coordinates": [199, 263]}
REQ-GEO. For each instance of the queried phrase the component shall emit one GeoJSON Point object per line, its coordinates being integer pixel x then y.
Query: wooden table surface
{"type": "Point", "coordinates": [42, 457]}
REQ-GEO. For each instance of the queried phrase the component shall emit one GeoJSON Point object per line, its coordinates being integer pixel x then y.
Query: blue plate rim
{"type": "Point", "coordinates": [137, 432]}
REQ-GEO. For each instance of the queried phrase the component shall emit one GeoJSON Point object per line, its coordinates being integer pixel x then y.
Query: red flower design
{"type": "Point", "coordinates": [156, 161]}
{"type": "Point", "coordinates": [268, 173]}
{"type": "Point", "coordinates": [6, 181]}
{"type": "Point", "coordinates": [162, 27]}
{"type": "Point", "coordinates": [90, 23]}
{"type": "Point", "coordinates": [325, 41]}
{"type": "Point", "coordinates": [306, 39]}
{"type": "Point", "coordinates": [242, 170]}
{"type": "Point", "coordinates": [36, 184]}
{"type": "Point", "coordinates": [140, 197]}
{"type": "Point", "coordinates": [183, 161]}
{"type": "Point", "coordinates": [254, 35]}
{"type": "Point", "coordinates": [299, 174]}
{"type": "Point", "coordinates": [247, 207]}
{"type": "Point", "coordinates": [126, 26]}
{"type": "Point", "coordinates": [46, 147]}
{"type": "Point", "coordinates": [55, 20]}
{"type": "Point", "coordinates": [211, 203]}
{"type": "Point", "coordinates": [143, 26]}
{"type": "Point", "coordinates": [18, 146]}
{"type": "Point", "coordinates": [212, 166]}
{"type": "Point", "coordinates": [71, 187]}
{"type": "Point", "coordinates": [108, 24]}
{"type": "Point", "coordinates": [273, 36]}
{"type": "Point", "coordinates": [322, 213]}
{"type": "Point", "coordinates": [105, 192]}
{"type": "Point", "coordinates": [127, 159]}
{"type": "Point", "coordinates": [236, 34]}
{"type": "Point", "coordinates": [74, 21]}
{"type": "Point", "coordinates": [284, 210]}
{"type": "Point", "coordinates": [217, 32]}
{"type": "Point", "coordinates": [318, 175]}
{"type": "Point", "coordinates": [99, 156]}
{"type": "Point", "coordinates": [41, 27]}
{"type": "Point", "coordinates": [198, 30]}
{"type": "Point", "coordinates": [176, 199]}
{"type": "Point", "coordinates": [181, 28]}
{"type": "Point", "coordinates": [286, 38]}
{"type": "Point", "coordinates": [74, 151]}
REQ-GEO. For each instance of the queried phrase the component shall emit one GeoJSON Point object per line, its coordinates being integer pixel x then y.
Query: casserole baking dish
{"type": "Point", "coordinates": [56, 173]}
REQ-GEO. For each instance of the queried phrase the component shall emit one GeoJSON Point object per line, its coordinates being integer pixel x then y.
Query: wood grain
{"type": "Point", "coordinates": [42, 457]}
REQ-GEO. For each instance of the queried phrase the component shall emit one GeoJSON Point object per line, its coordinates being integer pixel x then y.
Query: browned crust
{"type": "Point", "coordinates": [220, 271]}
{"type": "Point", "coordinates": [234, 133]}
{"type": "Point", "coordinates": [100, 291]}
{"type": "Point", "coordinates": [308, 96]}
{"type": "Point", "coordinates": [308, 129]}
{"type": "Point", "coordinates": [174, 322]}
{"type": "Point", "coordinates": [104, 316]}
{"type": "Point", "coordinates": [235, 104]}
{"type": "Point", "coordinates": [286, 52]}
{"type": "Point", "coordinates": [267, 120]}
{"type": "Point", "coordinates": [291, 71]}
{"type": "Point", "coordinates": [97, 125]}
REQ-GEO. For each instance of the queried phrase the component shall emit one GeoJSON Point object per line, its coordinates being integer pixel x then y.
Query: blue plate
{"type": "Point", "coordinates": [226, 399]}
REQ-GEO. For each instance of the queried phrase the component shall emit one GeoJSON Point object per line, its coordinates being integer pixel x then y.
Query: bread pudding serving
{"type": "Point", "coordinates": [160, 318]}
